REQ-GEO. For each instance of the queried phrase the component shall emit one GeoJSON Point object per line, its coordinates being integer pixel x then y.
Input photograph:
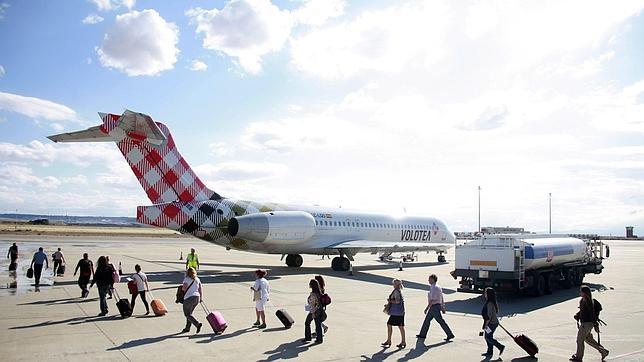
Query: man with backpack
{"type": "Point", "coordinates": [588, 319]}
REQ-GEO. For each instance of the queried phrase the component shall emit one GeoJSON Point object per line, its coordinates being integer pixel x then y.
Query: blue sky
{"type": "Point", "coordinates": [374, 105]}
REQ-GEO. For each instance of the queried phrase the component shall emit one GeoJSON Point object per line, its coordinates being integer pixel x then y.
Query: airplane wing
{"type": "Point", "coordinates": [376, 246]}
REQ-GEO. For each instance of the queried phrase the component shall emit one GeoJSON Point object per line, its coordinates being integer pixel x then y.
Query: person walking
{"type": "Point", "coordinates": [587, 320]}
{"type": "Point", "coordinates": [320, 280]}
{"type": "Point", "coordinates": [316, 313]}
{"type": "Point", "coordinates": [261, 292]}
{"type": "Point", "coordinates": [193, 295]}
{"type": "Point", "coordinates": [142, 285]}
{"type": "Point", "coordinates": [102, 278]}
{"type": "Point", "coordinates": [13, 253]}
{"type": "Point", "coordinates": [490, 322]}
{"type": "Point", "coordinates": [435, 306]}
{"type": "Point", "coordinates": [192, 260]}
{"type": "Point", "coordinates": [395, 307]}
{"type": "Point", "coordinates": [37, 263]}
{"type": "Point", "coordinates": [114, 273]}
{"type": "Point", "coordinates": [59, 259]}
{"type": "Point", "coordinates": [86, 272]}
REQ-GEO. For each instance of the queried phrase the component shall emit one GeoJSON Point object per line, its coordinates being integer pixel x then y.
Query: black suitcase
{"type": "Point", "coordinates": [61, 270]}
{"type": "Point", "coordinates": [30, 273]}
{"type": "Point", "coordinates": [524, 342]}
{"type": "Point", "coordinates": [285, 318]}
{"type": "Point", "coordinates": [123, 305]}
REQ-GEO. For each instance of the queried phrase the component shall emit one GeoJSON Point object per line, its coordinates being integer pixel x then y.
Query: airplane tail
{"type": "Point", "coordinates": [150, 151]}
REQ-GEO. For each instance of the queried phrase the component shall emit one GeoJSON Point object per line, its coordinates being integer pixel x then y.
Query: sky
{"type": "Point", "coordinates": [402, 107]}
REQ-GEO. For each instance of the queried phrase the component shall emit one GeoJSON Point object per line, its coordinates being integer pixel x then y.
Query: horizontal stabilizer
{"type": "Point", "coordinates": [93, 134]}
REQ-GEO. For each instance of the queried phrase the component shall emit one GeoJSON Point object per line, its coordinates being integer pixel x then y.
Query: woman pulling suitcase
{"type": "Point", "coordinates": [193, 295]}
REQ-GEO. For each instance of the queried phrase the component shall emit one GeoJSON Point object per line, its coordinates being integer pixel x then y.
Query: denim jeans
{"type": "Point", "coordinates": [102, 297]}
{"type": "Point", "coordinates": [318, 327]}
{"type": "Point", "coordinates": [490, 341]}
{"type": "Point", "coordinates": [189, 307]}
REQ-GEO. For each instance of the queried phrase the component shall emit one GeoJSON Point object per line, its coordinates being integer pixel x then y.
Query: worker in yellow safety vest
{"type": "Point", "coordinates": [192, 260]}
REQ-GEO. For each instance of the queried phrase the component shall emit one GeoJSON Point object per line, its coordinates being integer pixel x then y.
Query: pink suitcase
{"type": "Point", "coordinates": [215, 319]}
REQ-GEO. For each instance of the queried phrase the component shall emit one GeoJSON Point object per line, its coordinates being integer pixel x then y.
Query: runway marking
{"type": "Point", "coordinates": [625, 355]}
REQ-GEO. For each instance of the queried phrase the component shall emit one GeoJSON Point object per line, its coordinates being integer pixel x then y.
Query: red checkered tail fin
{"type": "Point", "coordinates": [150, 151]}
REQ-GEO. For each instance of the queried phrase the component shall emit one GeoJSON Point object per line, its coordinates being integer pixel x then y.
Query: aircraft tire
{"type": "Point", "coordinates": [335, 263]}
{"type": "Point", "coordinates": [344, 264]}
{"type": "Point", "coordinates": [441, 259]}
{"type": "Point", "coordinates": [297, 260]}
{"type": "Point", "coordinates": [289, 260]}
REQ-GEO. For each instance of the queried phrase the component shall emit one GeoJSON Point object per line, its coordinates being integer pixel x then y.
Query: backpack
{"type": "Point", "coordinates": [597, 307]}
{"type": "Point", "coordinates": [325, 299]}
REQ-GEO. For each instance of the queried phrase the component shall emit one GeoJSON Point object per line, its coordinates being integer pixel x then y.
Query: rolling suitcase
{"type": "Point", "coordinates": [284, 317]}
{"type": "Point", "coordinates": [158, 307]}
{"type": "Point", "coordinates": [215, 319]}
{"type": "Point", "coordinates": [61, 270]}
{"type": "Point", "coordinates": [123, 305]}
{"type": "Point", "coordinates": [524, 342]}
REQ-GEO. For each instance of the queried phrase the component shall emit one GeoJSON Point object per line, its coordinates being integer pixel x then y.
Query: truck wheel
{"type": "Point", "coordinates": [567, 283]}
{"type": "Point", "coordinates": [550, 283]}
{"type": "Point", "coordinates": [579, 278]}
{"type": "Point", "coordinates": [539, 286]}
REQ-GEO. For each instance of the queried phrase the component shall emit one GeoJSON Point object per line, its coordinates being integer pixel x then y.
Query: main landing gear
{"type": "Point", "coordinates": [294, 260]}
{"type": "Point", "coordinates": [441, 258]}
{"type": "Point", "coordinates": [340, 263]}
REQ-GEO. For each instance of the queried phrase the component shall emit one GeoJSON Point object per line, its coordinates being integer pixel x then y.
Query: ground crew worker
{"type": "Point", "coordinates": [192, 260]}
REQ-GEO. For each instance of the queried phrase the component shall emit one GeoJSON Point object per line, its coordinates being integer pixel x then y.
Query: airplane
{"type": "Point", "coordinates": [182, 202]}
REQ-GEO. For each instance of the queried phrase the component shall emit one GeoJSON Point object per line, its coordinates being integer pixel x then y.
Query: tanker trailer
{"type": "Point", "coordinates": [526, 262]}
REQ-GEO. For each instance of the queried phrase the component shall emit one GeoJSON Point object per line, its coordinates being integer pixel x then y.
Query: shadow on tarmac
{"type": "Point", "coordinates": [208, 276]}
{"type": "Point", "coordinates": [287, 350]}
{"type": "Point", "coordinates": [510, 305]}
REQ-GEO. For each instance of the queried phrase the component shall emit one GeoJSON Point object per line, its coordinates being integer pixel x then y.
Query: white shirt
{"type": "Point", "coordinates": [194, 288]}
{"type": "Point", "coordinates": [435, 295]}
{"type": "Point", "coordinates": [140, 279]}
{"type": "Point", "coordinates": [261, 285]}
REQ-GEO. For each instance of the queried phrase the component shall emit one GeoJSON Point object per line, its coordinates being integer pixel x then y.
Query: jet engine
{"type": "Point", "coordinates": [275, 226]}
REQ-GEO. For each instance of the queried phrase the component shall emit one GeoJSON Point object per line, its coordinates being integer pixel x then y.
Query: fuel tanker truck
{"type": "Point", "coordinates": [535, 264]}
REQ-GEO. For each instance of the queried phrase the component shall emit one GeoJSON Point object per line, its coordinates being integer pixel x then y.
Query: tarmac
{"type": "Point", "coordinates": [54, 323]}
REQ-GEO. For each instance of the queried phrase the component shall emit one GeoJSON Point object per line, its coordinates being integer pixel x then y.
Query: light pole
{"type": "Point", "coordinates": [479, 188]}
{"type": "Point", "coordinates": [550, 213]}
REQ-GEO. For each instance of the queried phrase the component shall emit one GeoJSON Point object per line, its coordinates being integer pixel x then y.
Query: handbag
{"type": "Point", "coordinates": [30, 273]}
{"type": "Point", "coordinates": [257, 295]}
{"type": "Point", "coordinates": [387, 308]}
{"type": "Point", "coordinates": [181, 293]}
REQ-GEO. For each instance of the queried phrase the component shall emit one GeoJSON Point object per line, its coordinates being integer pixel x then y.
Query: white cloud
{"type": "Point", "coordinates": [140, 43]}
{"type": "Point", "coordinates": [36, 108]}
{"type": "Point", "coordinates": [3, 9]}
{"type": "Point", "coordinates": [241, 170]}
{"type": "Point", "coordinates": [381, 40]}
{"type": "Point", "coordinates": [92, 19]}
{"type": "Point", "coordinates": [317, 12]}
{"type": "Point", "coordinates": [198, 65]}
{"type": "Point", "coordinates": [78, 154]}
{"type": "Point", "coordinates": [11, 174]}
{"type": "Point", "coordinates": [109, 5]}
{"type": "Point", "coordinates": [2, 71]}
{"type": "Point", "coordinates": [243, 29]}
{"type": "Point", "coordinates": [76, 180]}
